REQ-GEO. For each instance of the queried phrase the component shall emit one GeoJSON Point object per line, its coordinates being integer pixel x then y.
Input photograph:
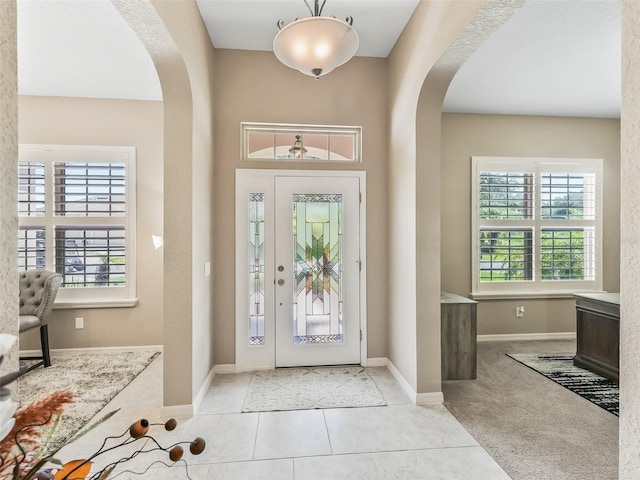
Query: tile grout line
{"type": "Point", "coordinates": [375, 462]}
{"type": "Point", "coordinates": [255, 440]}
{"type": "Point", "coordinates": [293, 468]}
{"type": "Point", "coordinates": [327, 430]}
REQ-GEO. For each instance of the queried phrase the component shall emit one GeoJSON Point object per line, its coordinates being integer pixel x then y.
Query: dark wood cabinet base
{"type": "Point", "coordinates": [594, 366]}
{"type": "Point", "coordinates": [458, 337]}
{"type": "Point", "coordinates": [598, 334]}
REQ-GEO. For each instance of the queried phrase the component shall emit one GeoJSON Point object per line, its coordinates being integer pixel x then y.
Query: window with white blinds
{"type": "Point", "coordinates": [76, 209]}
{"type": "Point", "coordinates": [536, 226]}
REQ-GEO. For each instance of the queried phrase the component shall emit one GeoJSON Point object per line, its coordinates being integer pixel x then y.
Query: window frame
{"type": "Point", "coordinates": [86, 297]}
{"type": "Point", "coordinates": [537, 287]}
{"type": "Point", "coordinates": [282, 128]}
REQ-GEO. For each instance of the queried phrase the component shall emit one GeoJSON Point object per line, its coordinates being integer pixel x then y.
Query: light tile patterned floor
{"type": "Point", "coordinates": [400, 441]}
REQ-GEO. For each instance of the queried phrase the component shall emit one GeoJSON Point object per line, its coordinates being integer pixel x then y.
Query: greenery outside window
{"type": "Point", "coordinates": [76, 208]}
{"type": "Point", "coordinates": [536, 226]}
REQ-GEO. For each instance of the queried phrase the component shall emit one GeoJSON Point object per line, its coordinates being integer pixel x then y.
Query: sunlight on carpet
{"type": "Point", "coordinates": [311, 387]}
{"type": "Point", "coordinates": [560, 368]}
{"type": "Point", "coordinates": [94, 378]}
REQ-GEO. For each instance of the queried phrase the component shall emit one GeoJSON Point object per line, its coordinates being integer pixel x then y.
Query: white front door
{"type": "Point", "coordinates": [298, 258]}
{"type": "Point", "coordinates": [317, 314]}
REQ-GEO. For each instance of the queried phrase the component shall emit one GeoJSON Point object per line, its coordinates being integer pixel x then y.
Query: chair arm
{"type": "Point", "coordinates": [51, 286]}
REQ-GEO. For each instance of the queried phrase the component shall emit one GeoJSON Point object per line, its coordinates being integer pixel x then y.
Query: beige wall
{"type": "Point", "coordinates": [174, 35]}
{"type": "Point", "coordinates": [630, 245]}
{"type": "Point", "coordinates": [482, 23]}
{"type": "Point", "coordinates": [415, 52]}
{"type": "Point", "coordinates": [177, 298]}
{"type": "Point", "coordinates": [428, 233]}
{"type": "Point", "coordinates": [187, 29]}
{"type": "Point", "coordinates": [8, 177]}
{"type": "Point", "coordinates": [464, 136]}
{"type": "Point", "coordinates": [438, 39]}
{"type": "Point", "coordinates": [76, 121]}
{"type": "Point", "coordinates": [255, 87]}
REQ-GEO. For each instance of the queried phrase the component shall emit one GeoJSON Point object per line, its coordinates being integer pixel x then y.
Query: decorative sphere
{"type": "Point", "coordinates": [197, 446]}
{"type": "Point", "coordinates": [170, 424]}
{"type": "Point", "coordinates": [176, 453]}
{"type": "Point", "coordinates": [139, 428]}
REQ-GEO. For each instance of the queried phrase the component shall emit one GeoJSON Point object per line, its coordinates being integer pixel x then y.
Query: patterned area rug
{"type": "Point", "coordinates": [95, 378]}
{"type": "Point", "coordinates": [311, 387]}
{"type": "Point", "coordinates": [599, 390]}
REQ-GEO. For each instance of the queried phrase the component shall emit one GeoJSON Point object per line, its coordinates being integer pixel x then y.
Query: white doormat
{"type": "Point", "coordinates": [303, 388]}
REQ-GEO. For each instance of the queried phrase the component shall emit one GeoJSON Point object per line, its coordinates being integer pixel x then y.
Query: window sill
{"type": "Point", "coordinates": [528, 295]}
{"type": "Point", "coordinates": [89, 303]}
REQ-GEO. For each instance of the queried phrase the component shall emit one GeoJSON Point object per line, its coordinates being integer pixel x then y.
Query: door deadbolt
{"type": "Point", "coordinates": [280, 268]}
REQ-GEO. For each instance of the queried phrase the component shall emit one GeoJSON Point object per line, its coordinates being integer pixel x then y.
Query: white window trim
{"type": "Point", "coordinates": [535, 288]}
{"type": "Point", "coordinates": [93, 297]}
{"type": "Point", "coordinates": [247, 127]}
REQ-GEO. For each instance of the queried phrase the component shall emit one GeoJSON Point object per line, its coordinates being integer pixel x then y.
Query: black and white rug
{"type": "Point", "coordinates": [302, 388]}
{"type": "Point", "coordinates": [599, 390]}
{"type": "Point", "coordinates": [94, 378]}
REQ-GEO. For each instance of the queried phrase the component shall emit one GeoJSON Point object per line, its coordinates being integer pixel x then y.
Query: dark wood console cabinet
{"type": "Point", "coordinates": [458, 336]}
{"type": "Point", "coordinates": [598, 333]}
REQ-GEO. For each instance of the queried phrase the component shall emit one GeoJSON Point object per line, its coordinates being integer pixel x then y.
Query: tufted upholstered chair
{"type": "Point", "coordinates": [38, 289]}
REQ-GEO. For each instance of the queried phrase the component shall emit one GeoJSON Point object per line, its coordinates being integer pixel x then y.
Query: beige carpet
{"type": "Point", "coordinates": [534, 428]}
{"type": "Point", "coordinates": [95, 378]}
{"type": "Point", "coordinates": [311, 387]}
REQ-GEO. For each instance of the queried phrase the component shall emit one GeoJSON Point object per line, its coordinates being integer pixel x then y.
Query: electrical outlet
{"type": "Point", "coordinates": [520, 311]}
{"type": "Point", "coordinates": [79, 323]}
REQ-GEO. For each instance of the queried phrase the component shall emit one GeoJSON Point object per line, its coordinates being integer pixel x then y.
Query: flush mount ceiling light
{"type": "Point", "coordinates": [316, 45]}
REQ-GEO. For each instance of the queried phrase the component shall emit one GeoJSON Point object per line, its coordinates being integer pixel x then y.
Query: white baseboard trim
{"type": "Point", "coordinates": [401, 380]}
{"type": "Point", "coordinates": [429, 398]}
{"type": "Point", "coordinates": [251, 368]}
{"type": "Point", "coordinates": [417, 398]}
{"type": "Point", "coordinates": [225, 368]}
{"type": "Point", "coordinates": [377, 362]}
{"type": "Point", "coordinates": [203, 389]}
{"type": "Point", "coordinates": [190, 410]}
{"type": "Point", "coordinates": [134, 348]}
{"type": "Point", "coordinates": [179, 411]}
{"type": "Point", "coordinates": [513, 337]}
{"type": "Point", "coordinates": [216, 370]}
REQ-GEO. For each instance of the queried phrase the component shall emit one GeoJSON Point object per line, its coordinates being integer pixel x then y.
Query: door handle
{"type": "Point", "coordinates": [281, 282]}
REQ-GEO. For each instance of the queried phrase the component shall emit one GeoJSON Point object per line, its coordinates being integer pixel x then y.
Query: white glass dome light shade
{"type": "Point", "coordinates": [316, 45]}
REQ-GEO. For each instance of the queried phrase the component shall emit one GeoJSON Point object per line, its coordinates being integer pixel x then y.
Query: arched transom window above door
{"type": "Point", "coordinates": [304, 143]}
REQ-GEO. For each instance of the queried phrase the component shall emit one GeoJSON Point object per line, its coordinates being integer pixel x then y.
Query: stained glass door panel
{"type": "Point", "coordinates": [317, 268]}
{"type": "Point", "coordinates": [256, 269]}
{"type": "Point", "coordinates": [317, 277]}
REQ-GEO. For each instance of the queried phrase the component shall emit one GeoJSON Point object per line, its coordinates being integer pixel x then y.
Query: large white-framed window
{"type": "Point", "coordinates": [76, 215]}
{"type": "Point", "coordinates": [536, 226]}
{"type": "Point", "coordinates": [308, 143]}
